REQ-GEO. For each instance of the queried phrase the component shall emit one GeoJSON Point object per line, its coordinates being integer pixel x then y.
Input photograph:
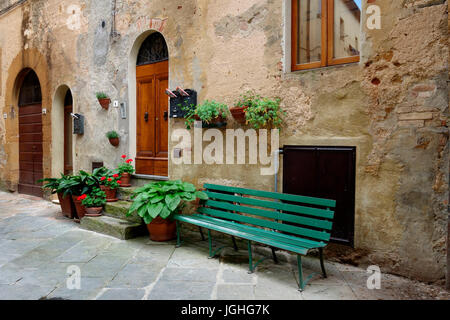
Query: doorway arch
{"type": "Point", "coordinates": [30, 133]}
{"type": "Point", "coordinates": [148, 119]}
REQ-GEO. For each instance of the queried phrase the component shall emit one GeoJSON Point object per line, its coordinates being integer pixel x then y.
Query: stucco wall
{"type": "Point", "coordinates": [393, 105]}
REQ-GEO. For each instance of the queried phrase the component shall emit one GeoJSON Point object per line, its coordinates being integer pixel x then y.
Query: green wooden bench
{"type": "Point", "coordinates": [284, 221]}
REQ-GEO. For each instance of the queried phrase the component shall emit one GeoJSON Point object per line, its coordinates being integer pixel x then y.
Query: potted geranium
{"type": "Point", "coordinates": [61, 187]}
{"type": "Point", "coordinates": [94, 202]}
{"type": "Point", "coordinates": [157, 202]}
{"type": "Point", "coordinates": [80, 185]}
{"type": "Point", "coordinates": [109, 185]}
{"type": "Point", "coordinates": [113, 137]}
{"type": "Point", "coordinates": [125, 170]}
{"type": "Point", "coordinates": [264, 112]}
{"type": "Point", "coordinates": [103, 99]}
{"type": "Point", "coordinates": [211, 113]}
{"type": "Point", "coordinates": [246, 100]}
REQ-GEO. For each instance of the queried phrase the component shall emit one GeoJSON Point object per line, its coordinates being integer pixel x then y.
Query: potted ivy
{"type": "Point", "coordinates": [61, 186]}
{"type": "Point", "coordinates": [113, 137]}
{"type": "Point", "coordinates": [211, 113]}
{"type": "Point", "coordinates": [103, 99]}
{"type": "Point", "coordinates": [125, 170]}
{"type": "Point", "coordinates": [109, 184]}
{"type": "Point", "coordinates": [264, 112]}
{"type": "Point", "coordinates": [247, 99]}
{"type": "Point", "coordinates": [157, 202]}
{"type": "Point", "coordinates": [94, 202]}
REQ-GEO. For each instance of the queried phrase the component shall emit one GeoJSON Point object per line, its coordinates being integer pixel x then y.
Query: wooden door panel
{"type": "Point", "coordinates": [30, 128]}
{"type": "Point", "coordinates": [30, 118]}
{"type": "Point", "coordinates": [146, 124]}
{"type": "Point", "coordinates": [162, 128]}
{"type": "Point", "coordinates": [30, 147]}
{"type": "Point", "coordinates": [35, 109]}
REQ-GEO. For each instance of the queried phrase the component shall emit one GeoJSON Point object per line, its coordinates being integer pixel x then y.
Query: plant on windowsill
{"type": "Point", "coordinates": [211, 113]}
{"type": "Point", "coordinates": [109, 184]}
{"type": "Point", "coordinates": [113, 137]}
{"type": "Point", "coordinates": [103, 99]}
{"type": "Point", "coordinates": [246, 100]}
{"type": "Point", "coordinates": [264, 112]}
{"type": "Point", "coordinates": [94, 202]}
{"type": "Point", "coordinates": [157, 202]}
{"type": "Point", "coordinates": [125, 170]}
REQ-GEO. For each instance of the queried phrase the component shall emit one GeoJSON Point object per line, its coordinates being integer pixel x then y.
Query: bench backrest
{"type": "Point", "coordinates": [306, 217]}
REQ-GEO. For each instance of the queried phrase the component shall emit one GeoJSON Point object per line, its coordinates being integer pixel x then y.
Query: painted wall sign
{"type": "Point", "coordinates": [145, 23]}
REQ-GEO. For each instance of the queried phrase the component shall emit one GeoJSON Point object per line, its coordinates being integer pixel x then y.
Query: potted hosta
{"type": "Point", "coordinates": [211, 113]}
{"type": "Point", "coordinates": [125, 170]}
{"type": "Point", "coordinates": [109, 185]}
{"type": "Point", "coordinates": [157, 202]}
{"type": "Point", "coordinates": [94, 202]}
{"type": "Point", "coordinates": [113, 137]}
{"type": "Point", "coordinates": [247, 99]}
{"type": "Point", "coordinates": [61, 187]}
{"type": "Point", "coordinates": [103, 99]}
{"type": "Point", "coordinates": [264, 112]}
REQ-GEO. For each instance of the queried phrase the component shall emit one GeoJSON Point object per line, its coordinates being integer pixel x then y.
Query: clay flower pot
{"type": "Point", "coordinates": [80, 209]}
{"type": "Point", "coordinates": [125, 178]}
{"type": "Point", "coordinates": [238, 114]}
{"type": "Point", "coordinates": [216, 122]}
{"type": "Point", "coordinates": [94, 211]}
{"type": "Point", "coordinates": [114, 141]}
{"type": "Point", "coordinates": [162, 229]}
{"type": "Point", "coordinates": [110, 194]}
{"type": "Point", "coordinates": [67, 206]}
{"type": "Point", "coordinates": [104, 103]}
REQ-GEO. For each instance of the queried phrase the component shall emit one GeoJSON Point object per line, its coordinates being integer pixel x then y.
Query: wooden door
{"type": "Point", "coordinates": [324, 172]}
{"type": "Point", "coordinates": [152, 119]}
{"type": "Point", "coordinates": [68, 165]}
{"type": "Point", "coordinates": [30, 149]}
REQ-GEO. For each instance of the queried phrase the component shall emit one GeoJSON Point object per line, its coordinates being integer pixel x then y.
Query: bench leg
{"type": "Point", "coordinates": [201, 233]}
{"type": "Point", "coordinates": [274, 255]}
{"type": "Point", "coordinates": [178, 234]}
{"type": "Point", "coordinates": [210, 244]}
{"type": "Point", "coordinates": [250, 260]}
{"type": "Point", "coordinates": [300, 273]}
{"type": "Point", "coordinates": [322, 265]}
{"type": "Point", "coordinates": [235, 244]}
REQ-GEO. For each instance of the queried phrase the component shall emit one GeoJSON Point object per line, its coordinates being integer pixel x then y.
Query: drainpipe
{"type": "Point", "coordinates": [276, 161]}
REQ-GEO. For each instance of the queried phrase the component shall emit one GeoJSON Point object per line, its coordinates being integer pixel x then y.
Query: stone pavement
{"type": "Point", "coordinates": [38, 245]}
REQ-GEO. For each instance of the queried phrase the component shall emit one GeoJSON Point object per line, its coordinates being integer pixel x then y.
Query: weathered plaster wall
{"type": "Point", "coordinates": [393, 105]}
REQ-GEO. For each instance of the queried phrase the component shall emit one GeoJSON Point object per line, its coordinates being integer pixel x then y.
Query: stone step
{"type": "Point", "coordinates": [125, 193]}
{"type": "Point", "coordinates": [113, 227]}
{"type": "Point", "coordinates": [139, 180]}
{"type": "Point", "coordinates": [119, 210]}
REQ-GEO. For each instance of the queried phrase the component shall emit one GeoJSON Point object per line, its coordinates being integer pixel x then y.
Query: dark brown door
{"type": "Point", "coordinates": [68, 166]}
{"type": "Point", "coordinates": [152, 119]}
{"type": "Point", "coordinates": [324, 172]}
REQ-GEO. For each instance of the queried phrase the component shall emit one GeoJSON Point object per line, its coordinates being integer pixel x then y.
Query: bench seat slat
{"type": "Point", "coordinates": [322, 224]}
{"type": "Point", "coordinates": [310, 244]}
{"type": "Point", "coordinates": [242, 234]}
{"type": "Point", "coordinates": [328, 214]}
{"type": "Point", "coordinates": [274, 195]}
{"type": "Point", "coordinates": [320, 235]}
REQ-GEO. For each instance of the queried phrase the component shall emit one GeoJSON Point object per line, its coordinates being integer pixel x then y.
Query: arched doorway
{"type": "Point", "coordinates": [30, 134]}
{"type": "Point", "coordinates": [152, 79]}
{"type": "Point", "coordinates": [68, 109]}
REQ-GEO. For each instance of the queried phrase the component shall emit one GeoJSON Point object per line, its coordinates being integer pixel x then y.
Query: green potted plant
{"type": "Point", "coordinates": [246, 100]}
{"type": "Point", "coordinates": [94, 202]}
{"type": "Point", "coordinates": [157, 202]}
{"type": "Point", "coordinates": [125, 170]}
{"type": "Point", "coordinates": [211, 113]}
{"type": "Point", "coordinates": [264, 112]}
{"type": "Point", "coordinates": [109, 184]}
{"type": "Point", "coordinates": [103, 99]}
{"type": "Point", "coordinates": [113, 137]}
{"type": "Point", "coordinates": [79, 185]}
{"type": "Point", "coordinates": [61, 187]}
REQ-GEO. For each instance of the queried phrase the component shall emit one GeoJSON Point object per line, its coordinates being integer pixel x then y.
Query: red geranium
{"type": "Point", "coordinates": [124, 156]}
{"type": "Point", "coordinates": [109, 179]}
{"type": "Point", "coordinates": [119, 182]}
{"type": "Point", "coordinates": [102, 178]}
{"type": "Point", "coordinates": [129, 161]}
{"type": "Point", "coordinates": [82, 197]}
{"type": "Point", "coordinates": [115, 175]}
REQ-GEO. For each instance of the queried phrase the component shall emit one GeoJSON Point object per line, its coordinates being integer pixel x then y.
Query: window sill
{"type": "Point", "coordinates": [322, 69]}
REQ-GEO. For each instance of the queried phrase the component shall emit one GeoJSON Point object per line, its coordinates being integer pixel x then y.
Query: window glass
{"type": "Point", "coordinates": [309, 31]}
{"type": "Point", "coordinates": [347, 20]}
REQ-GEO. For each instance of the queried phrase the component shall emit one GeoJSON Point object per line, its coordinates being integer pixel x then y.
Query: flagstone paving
{"type": "Point", "coordinates": [38, 246]}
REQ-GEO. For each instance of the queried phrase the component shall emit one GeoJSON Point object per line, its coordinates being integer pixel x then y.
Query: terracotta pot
{"type": "Point", "coordinates": [162, 229]}
{"type": "Point", "coordinates": [216, 122]}
{"type": "Point", "coordinates": [238, 114]}
{"type": "Point", "coordinates": [114, 141]}
{"type": "Point", "coordinates": [81, 210]}
{"type": "Point", "coordinates": [104, 103]}
{"type": "Point", "coordinates": [67, 205]}
{"type": "Point", "coordinates": [110, 194]}
{"type": "Point", "coordinates": [125, 178]}
{"type": "Point", "coordinates": [94, 211]}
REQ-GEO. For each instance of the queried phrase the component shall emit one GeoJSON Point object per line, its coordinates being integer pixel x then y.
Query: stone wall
{"type": "Point", "coordinates": [393, 105]}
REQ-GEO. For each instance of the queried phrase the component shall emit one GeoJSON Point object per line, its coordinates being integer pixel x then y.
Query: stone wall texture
{"type": "Point", "coordinates": [392, 105]}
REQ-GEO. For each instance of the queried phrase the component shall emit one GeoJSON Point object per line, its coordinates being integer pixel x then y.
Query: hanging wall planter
{"type": "Point", "coordinates": [238, 114]}
{"type": "Point", "coordinates": [103, 100]}
{"type": "Point", "coordinates": [113, 137]}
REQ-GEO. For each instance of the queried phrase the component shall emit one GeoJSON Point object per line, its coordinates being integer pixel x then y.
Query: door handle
{"type": "Point", "coordinates": [146, 117]}
{"type": "Point", "coordinates": [166, 114]}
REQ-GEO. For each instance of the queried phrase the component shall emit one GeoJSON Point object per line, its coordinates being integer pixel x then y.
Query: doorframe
{"type": "Point", "coordinates": [132, 94]}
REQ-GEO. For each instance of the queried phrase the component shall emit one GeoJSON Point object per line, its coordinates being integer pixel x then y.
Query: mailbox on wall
{"type": "Point", "coordinates": [78, 123]}
{"type": "Point", "coordinates": [182, 100]}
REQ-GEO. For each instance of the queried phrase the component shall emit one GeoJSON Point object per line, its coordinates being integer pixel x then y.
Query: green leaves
{"type": "Point", "coordinates": [163, 199]}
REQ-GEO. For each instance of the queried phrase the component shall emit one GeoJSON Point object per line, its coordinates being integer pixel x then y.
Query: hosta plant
{"type": "Point", "coordinates": [163, 199]}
